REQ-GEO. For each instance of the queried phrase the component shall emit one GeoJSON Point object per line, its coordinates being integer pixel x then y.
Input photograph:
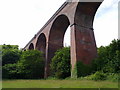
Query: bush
{"type": "Point", "coordinates": [102, 59]}
{"type": "Point", "coordinates": [82, 69]}
{"type": "Point", "coordinates": [10, 56]}
{"type": "Point", "coordinates": [30, 66]}
{"type": "Point", "coordinates": [108, 58]}
{"type": "Point", "coordinates": [113, 77]}
{"type": "Point", "coordinates": [98, 76]}
{"type": "Point", "coordinates": [60, 65]}
{"type": "Point", "coordinates": [9, 71]}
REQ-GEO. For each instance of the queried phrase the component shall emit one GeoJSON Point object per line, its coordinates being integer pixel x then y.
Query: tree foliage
{"type": "Point", "coordinates": [31, 64]}
{"type": "Point", "coordinates": [6, 47]}
{"type": "Point", "coordinates": [108, 58]}
{"type": "Point", "coordinates": [21, 64]}
{"type": "Point", "coordinates": [10, 54]}
{"type": "Point", "coordinates": [83, 69]}
{"type": "Point", "coordinates": [9, 71]}
{"type": "Point", "coordinates": [60, 64]}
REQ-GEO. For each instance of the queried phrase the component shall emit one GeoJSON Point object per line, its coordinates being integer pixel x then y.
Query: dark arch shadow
{"type": "Point", "coordinates": [31, 47]}
{"type": "Point", "coordinates": [57, 32]}
{"type": "Point", "coordinates": [41, 43]}
{"type": "Point", "coordinates": [56, 37]}
{"type": "Point", "coordinates": [85, 13]}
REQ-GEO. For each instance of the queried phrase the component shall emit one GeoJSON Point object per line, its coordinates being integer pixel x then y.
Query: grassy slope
{"type": "Point", "coordinates": [58, 84]}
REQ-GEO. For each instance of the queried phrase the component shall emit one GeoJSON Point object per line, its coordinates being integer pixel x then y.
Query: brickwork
{"type": "Point", "coordinates": [79, 16]}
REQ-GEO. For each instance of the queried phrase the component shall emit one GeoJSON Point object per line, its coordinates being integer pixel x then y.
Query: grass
{"type": "Point", "coordinates": [58, 84]}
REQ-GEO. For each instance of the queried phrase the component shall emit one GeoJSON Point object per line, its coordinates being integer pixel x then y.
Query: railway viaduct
{"type": "Point", "coordinates": [79, 16]}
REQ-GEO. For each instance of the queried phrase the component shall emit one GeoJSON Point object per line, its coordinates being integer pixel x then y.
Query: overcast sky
{"type": "Point", "coordinates": [20, 20]}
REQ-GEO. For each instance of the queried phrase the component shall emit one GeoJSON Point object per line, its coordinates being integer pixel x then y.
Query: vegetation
{"type": "Point", "coordinates": [82, 69]}
{"type": "Point", "coordinates": [108, 61]}
{"type": "Point", "coordinates": [10, 54]}
{"type": "Point", "coordinates": [106, 65]}
{"type": "Point", "coordinates": [21, 65]}
{"type": "Point", "coordinates": [30, 64]}
{"type": "Point", "coordinates": [60, 64]}
{"type": "Point", "coordinates": [60, 84]}
{"type": "Point", "coordinates": [108, 58]}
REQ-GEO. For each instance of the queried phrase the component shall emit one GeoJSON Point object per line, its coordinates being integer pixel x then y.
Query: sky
{"type": "Point", "coordinates": [20, 20]}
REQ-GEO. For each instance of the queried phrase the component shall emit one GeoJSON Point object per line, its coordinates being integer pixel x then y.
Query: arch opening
{"type": "Point", "coordinates": [56, 36]}
{"type": "Point", "coordinates": [57, 33]}
{"type": "Point", "coordinates": [31, 47]}
{"type": "Point", "coordinates": [58, 30]}
{"type": "Point", "coordinates": [41, 44]}
{"type": "Point", "coordinates": [67, 39]}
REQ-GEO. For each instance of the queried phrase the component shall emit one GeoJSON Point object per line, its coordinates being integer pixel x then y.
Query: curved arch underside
{"type": "Point", "coordinates": [41, 43]}
{"type": "Point", "coordinates": [31, 47]}
{"type": "Point", "coordinates": [57, 32]}
{"type": "Point", "coordinates": [80, 17]}
{"type": "Point", "coordinates": [56, 38]}
{"type": "Point", "coordinates": [85, 13]}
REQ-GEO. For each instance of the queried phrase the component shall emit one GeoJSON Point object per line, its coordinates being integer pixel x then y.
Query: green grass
{"type": "Point", "coordinates": [58, 84]}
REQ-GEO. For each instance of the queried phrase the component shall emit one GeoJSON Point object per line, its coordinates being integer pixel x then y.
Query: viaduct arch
{"type": "Point", "coordinates": [31, 46]}
{"type": "Point", "coordinates": [41, 43]}
{"type": "Point", "coordinates": [79, 16]}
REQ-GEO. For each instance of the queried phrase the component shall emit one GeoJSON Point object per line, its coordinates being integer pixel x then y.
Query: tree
{"type": "Point", "coordinates": [6, 47]}
{"type": "Point", "coordinates": [31, 64]}
{"type": "Point", "coordinates": [9, 71]}
{"type": "Point", "coordinates": [60, 64]}
{"type": "Point", "coordinates": [102, 59]}
{"type": "Point", "coordinates": [10, 54]}
{"type": "Point", "coordinates": [108, 58]}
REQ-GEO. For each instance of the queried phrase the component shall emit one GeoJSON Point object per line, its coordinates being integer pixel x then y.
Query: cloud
{"type": "Point", "coordinates": [106, 24]}
{"type": "Point", "coordinates": [21, 19]}
{"type": "Point", "coordinates": [107, 6]}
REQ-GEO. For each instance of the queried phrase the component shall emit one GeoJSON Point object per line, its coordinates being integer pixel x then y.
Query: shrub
{"type": "Point", "coordinates": [108, 58]}
{"type": "Point", "coordinates": [83, 69]}
{"type": "Point", "coordinates": [113, 77]}
{"type": "Point", "coordinates": [60, 65]}
{"type": "Point", "coordinates": [31, 64]}
{"type": "Point", "coordinates": [10, 56]}
{"type": "Point", "coordinates": [9, 71]}
{"type": "Point", "coordinates": [98, 76]}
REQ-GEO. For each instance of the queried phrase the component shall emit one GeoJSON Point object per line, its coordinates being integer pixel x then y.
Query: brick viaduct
{"type": "Point", "coordinates": [79, 16]}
